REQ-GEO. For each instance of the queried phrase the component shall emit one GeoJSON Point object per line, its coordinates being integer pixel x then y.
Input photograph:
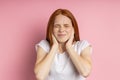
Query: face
{"type": "Point", "coordinates": [63, 28]}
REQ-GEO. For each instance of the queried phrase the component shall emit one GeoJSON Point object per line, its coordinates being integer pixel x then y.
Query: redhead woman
{"type": "Point", "coordinates": [62, 55]}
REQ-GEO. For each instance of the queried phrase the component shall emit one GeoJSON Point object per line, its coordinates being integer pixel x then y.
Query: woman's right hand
{"type": "Point", "coordinates": [55, 42]}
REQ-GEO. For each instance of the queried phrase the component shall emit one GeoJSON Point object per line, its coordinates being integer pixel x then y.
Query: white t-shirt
{"type": "Point", "coordinates": [62, 67]}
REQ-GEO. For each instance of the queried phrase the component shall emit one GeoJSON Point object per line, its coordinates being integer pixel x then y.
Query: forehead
{"type": "Point", "coordinates": [61, 19]}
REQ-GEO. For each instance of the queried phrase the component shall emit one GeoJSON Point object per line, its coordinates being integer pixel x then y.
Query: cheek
{"type": "Point", "coordinates": [69, 31]}
{"type": "Point", "coordinates": [54, 31]}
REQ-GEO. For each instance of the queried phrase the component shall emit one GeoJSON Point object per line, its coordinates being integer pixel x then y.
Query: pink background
{"type": "Point", "coordinates": [23, 24]}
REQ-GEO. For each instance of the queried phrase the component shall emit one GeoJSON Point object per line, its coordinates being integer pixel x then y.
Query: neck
{"type": "Point", "coordinates": [61, 47]}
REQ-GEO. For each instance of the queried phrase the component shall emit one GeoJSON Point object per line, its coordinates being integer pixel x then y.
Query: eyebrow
{"type": "Point", "coordinates": [59, 24]}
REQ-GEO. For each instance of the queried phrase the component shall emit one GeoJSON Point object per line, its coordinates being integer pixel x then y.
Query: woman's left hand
{"type": "Point", "coordinates": [70, 40]}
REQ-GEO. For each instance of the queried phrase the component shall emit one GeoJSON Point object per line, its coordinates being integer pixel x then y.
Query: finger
{"type": "Point", "coordinates": [73, 32]}
{"type": "Point", "coordinates": [54, 39]}
{"type": "Point", "coordinates": [52, 36]}
{"type": "Point", "coordinates": [72, 36]}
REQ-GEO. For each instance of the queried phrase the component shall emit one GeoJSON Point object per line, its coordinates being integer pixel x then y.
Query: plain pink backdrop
{"type": "Point", "coordinates": [23, 24]}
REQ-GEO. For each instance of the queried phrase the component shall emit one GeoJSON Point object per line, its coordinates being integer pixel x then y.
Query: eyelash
{"type": "Point", "coordinates": [56, 26]}
{"type": "Point", "coordinates": [66, 26]}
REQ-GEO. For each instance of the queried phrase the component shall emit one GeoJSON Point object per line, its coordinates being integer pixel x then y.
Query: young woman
{"type": "Point", "coordinates": [62, 55]}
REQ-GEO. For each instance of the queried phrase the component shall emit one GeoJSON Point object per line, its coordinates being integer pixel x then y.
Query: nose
{"type": "Point", "coordinates": [61, 29]}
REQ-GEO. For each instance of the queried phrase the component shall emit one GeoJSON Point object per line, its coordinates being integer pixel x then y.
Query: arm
{"type": "Point", "coordinates": [43, 63]}
{"type": "Point", "coordinates": [82, 62]}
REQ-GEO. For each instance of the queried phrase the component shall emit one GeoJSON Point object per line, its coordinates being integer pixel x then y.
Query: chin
{"type": "Point", "coordinates": [62, 41]}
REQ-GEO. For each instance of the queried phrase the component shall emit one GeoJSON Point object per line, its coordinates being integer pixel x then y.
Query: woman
{"type": "Point", "coordinates": [62, 56]}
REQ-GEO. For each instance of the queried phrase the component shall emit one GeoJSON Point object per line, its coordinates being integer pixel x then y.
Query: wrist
{"type": "Point", "coordinates": [68, 47]}
{"type": "Point", "coordinates": [55, 46]}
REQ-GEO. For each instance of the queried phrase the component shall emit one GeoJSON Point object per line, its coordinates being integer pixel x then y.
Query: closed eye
{"type": "Point", "coordinates": [56, 26]}
{"type": "Point", "coordinates": [66, 25]}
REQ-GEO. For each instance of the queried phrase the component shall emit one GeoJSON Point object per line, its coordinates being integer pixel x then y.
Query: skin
{"type": "Point", "coordinates": [62, 31]}
{"type": "Point", "coordinates": [81, 62]}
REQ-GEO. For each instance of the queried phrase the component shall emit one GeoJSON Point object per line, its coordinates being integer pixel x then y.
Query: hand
{"type": "Point", "coordinates": [55, 42]}
{"type": "Point", "coordinates": [70, 40]}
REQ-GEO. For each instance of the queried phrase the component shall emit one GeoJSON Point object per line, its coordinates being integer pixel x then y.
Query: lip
{"type": "Point", "coordinates": [61, 34]}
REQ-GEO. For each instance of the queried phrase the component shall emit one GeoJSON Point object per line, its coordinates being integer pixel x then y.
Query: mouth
{"type": "Point", "coordinates": [61, 35]}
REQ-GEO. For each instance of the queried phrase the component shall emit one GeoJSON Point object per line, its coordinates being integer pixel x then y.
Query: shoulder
{"type": "Point", "coordinates": [83, 44]}
{"type": "Point", "coordinates": [43, 44]}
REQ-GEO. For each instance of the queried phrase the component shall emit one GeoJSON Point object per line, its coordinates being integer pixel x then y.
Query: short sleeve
{"type": "Point", "coordinates": [43, 44]}
{"type": "Point", "coordinates": [83, 44]}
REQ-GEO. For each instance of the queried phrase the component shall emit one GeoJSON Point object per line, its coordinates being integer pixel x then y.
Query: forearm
{"type": "Point", "coordinates": [44, 66]}
{"type": "Point", "coordinates": [81, 64]}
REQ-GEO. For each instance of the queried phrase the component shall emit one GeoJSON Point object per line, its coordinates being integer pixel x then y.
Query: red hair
{"type": "Point", "coordinates": [50, 25]}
